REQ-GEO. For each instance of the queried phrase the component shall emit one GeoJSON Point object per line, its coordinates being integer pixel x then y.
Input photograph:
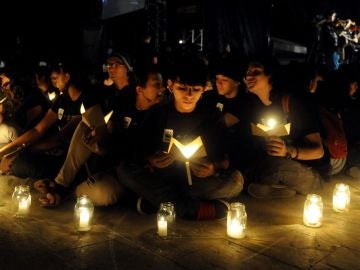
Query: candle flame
{"type": "Point", "coordinates": [52, 95]}
{"type": "Point", "coordinates": [271, 123]}
{"type": "Point", "coordinates": [82, 108]}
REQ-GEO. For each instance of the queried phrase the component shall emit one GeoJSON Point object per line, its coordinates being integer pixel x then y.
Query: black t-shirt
{"type": "Point", "coordinates": [65, 108]}
{"type": "Point", "coordinates": [303, 118]}
{"type": "Point", "coordinates": [165, 121]}
{"type": "Point", "coordinates": [110, 98]}
{"type": "Point", "coordinates": [127, 123]}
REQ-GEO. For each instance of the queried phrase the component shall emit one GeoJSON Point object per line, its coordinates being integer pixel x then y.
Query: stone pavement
{"type": "Point", "coordinates": [123, 239]}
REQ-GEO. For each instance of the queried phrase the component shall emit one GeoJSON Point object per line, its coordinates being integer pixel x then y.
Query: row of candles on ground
{"type": "Point", "coordinates": [83, 210]}
{"type": "Point", "coordinates": [236, 217]}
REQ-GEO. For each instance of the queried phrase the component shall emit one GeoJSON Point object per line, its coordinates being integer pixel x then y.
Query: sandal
{"type": "Point", "coordinates": [52, 193]}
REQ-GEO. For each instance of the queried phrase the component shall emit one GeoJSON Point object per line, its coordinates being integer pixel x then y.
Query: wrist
{"type": "Point", "coordinates": [292, 152]}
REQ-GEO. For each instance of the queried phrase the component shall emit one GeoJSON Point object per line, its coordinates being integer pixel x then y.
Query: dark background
{"type": "Point", "coordinates": [75, 27]}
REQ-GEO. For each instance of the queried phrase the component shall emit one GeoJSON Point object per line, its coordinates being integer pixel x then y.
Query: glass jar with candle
{"type": "Point", "coordinates": [341, 197]}
{"type": "Point", "coordinates": [21, 200]}
{"type": "Point", "coordinates": [313, 211]}
{"type": "Point", "coordinates": [83, 213]}
{"type": "Point", "coordinates": [167, 210]}
{"type": "Point", "coordinates": [236, 220]}
{"type": "Point", "coordinates": [165, 216]}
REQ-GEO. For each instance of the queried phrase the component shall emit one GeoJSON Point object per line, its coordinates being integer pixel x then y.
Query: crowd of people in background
{"type": "Point", "coordinates": [337, 40]}
{"type": "Point", "coordinates": [45, 137]}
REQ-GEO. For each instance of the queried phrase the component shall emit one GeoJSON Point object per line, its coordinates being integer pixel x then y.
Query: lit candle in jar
{"type": "Point", "coordinates": [162, 227]}
{"type": "Point", "coordinates": [313, 209]}
{"type": "Point", "coordinates": [83, 213]}
{"type": "Point", "coordinates": [84, 218]}
{"type": "Point", "coordinates": [23, 206]}
{"type": "Point", "coordinates": [235, 229]}
{"type": "Point", "coordinates": [341, 197]}
{"type": "Point", "coordinates": [236, 220]}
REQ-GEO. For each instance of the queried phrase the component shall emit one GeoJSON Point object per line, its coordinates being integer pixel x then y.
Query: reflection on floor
{"type": "Point", "coordinates": [123, 239]}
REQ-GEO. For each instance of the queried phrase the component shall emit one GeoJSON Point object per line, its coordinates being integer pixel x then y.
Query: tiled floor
{"type": "Point", "coordinates": [122, 239]}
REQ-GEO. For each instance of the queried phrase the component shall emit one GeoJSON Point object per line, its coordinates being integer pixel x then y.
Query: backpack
{"type": "Point", "coordinates": [335, 139]}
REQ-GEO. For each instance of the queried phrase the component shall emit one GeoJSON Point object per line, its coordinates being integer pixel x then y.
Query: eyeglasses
{"type": "Point", "coordinates": [114, 65]}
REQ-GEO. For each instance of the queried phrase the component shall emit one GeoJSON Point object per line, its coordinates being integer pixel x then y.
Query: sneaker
{"type": "Point", "coordinates": [270, 191]}
{"type": "Point", "coordinates": [144, 207]}
{"type": "Point", "coordinates": [212, 210]}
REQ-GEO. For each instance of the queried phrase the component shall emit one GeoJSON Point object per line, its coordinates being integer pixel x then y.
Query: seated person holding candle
{"type": "Point", "coordinates": [123, 129]}
{"type": "Point", "coordinates": [47, 141]}
{"type": "Point", "coordinates": [165, 175]}
{"type": "Point", "coordinates": [280, 166]}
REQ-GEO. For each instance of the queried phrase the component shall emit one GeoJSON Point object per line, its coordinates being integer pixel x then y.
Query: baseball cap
{"type": "Point", "coordinates": [121, 59]}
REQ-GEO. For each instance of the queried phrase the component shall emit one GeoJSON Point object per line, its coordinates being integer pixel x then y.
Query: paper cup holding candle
{"type": "Point", "coordinates": [270, 127]}
{"type": "Point", "coordinates": [93, 117]}
{"type": "Point", "coordinates": [194, 149]}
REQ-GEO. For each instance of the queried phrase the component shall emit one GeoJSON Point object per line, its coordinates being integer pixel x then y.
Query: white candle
{"type": "Point", "coordinates": [313, 214]}
{"type": "Point", "coordinates": [235, 229]}
{"type": "Point", "coordinates": [162, 227]}
{"type": "Point", "coordinates": [84, 219]}
{"type": "Point", "coordinates": [23, 206]}
{"type": "Point", "coordinates": [341, 197]}
{"type": "Point", "coordinates": [313, 211]}
{"type": "Point", "coordinates": [188, 173]}
{"type": "Point", "coordinates": [339, 202]}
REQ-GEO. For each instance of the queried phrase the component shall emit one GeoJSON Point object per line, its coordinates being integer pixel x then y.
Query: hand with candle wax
{"type": "Point", "coordinates": [275, 146]}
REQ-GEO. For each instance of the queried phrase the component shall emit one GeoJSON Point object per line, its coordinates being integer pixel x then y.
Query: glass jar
{"type": "Point", "coordinates": [313, 211]}
{"type": "Point", "coordinates": [167, 210]}
{"type": "Point", "coordinates": [165, 216]}
{"type": "Point", "coordinates": [21, 200]}
{"type": "Point", "coordinates": [83, 213]}
{"type": "Point", "coordinates": [341, 197]}
{"type": "Point", "coordinates": [236, 220]}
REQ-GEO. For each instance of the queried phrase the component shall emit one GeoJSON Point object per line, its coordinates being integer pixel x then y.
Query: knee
{"type": "Point", "coordinates": [237, 180]}
{"type": "Point", "coordinates": [101, 193]}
